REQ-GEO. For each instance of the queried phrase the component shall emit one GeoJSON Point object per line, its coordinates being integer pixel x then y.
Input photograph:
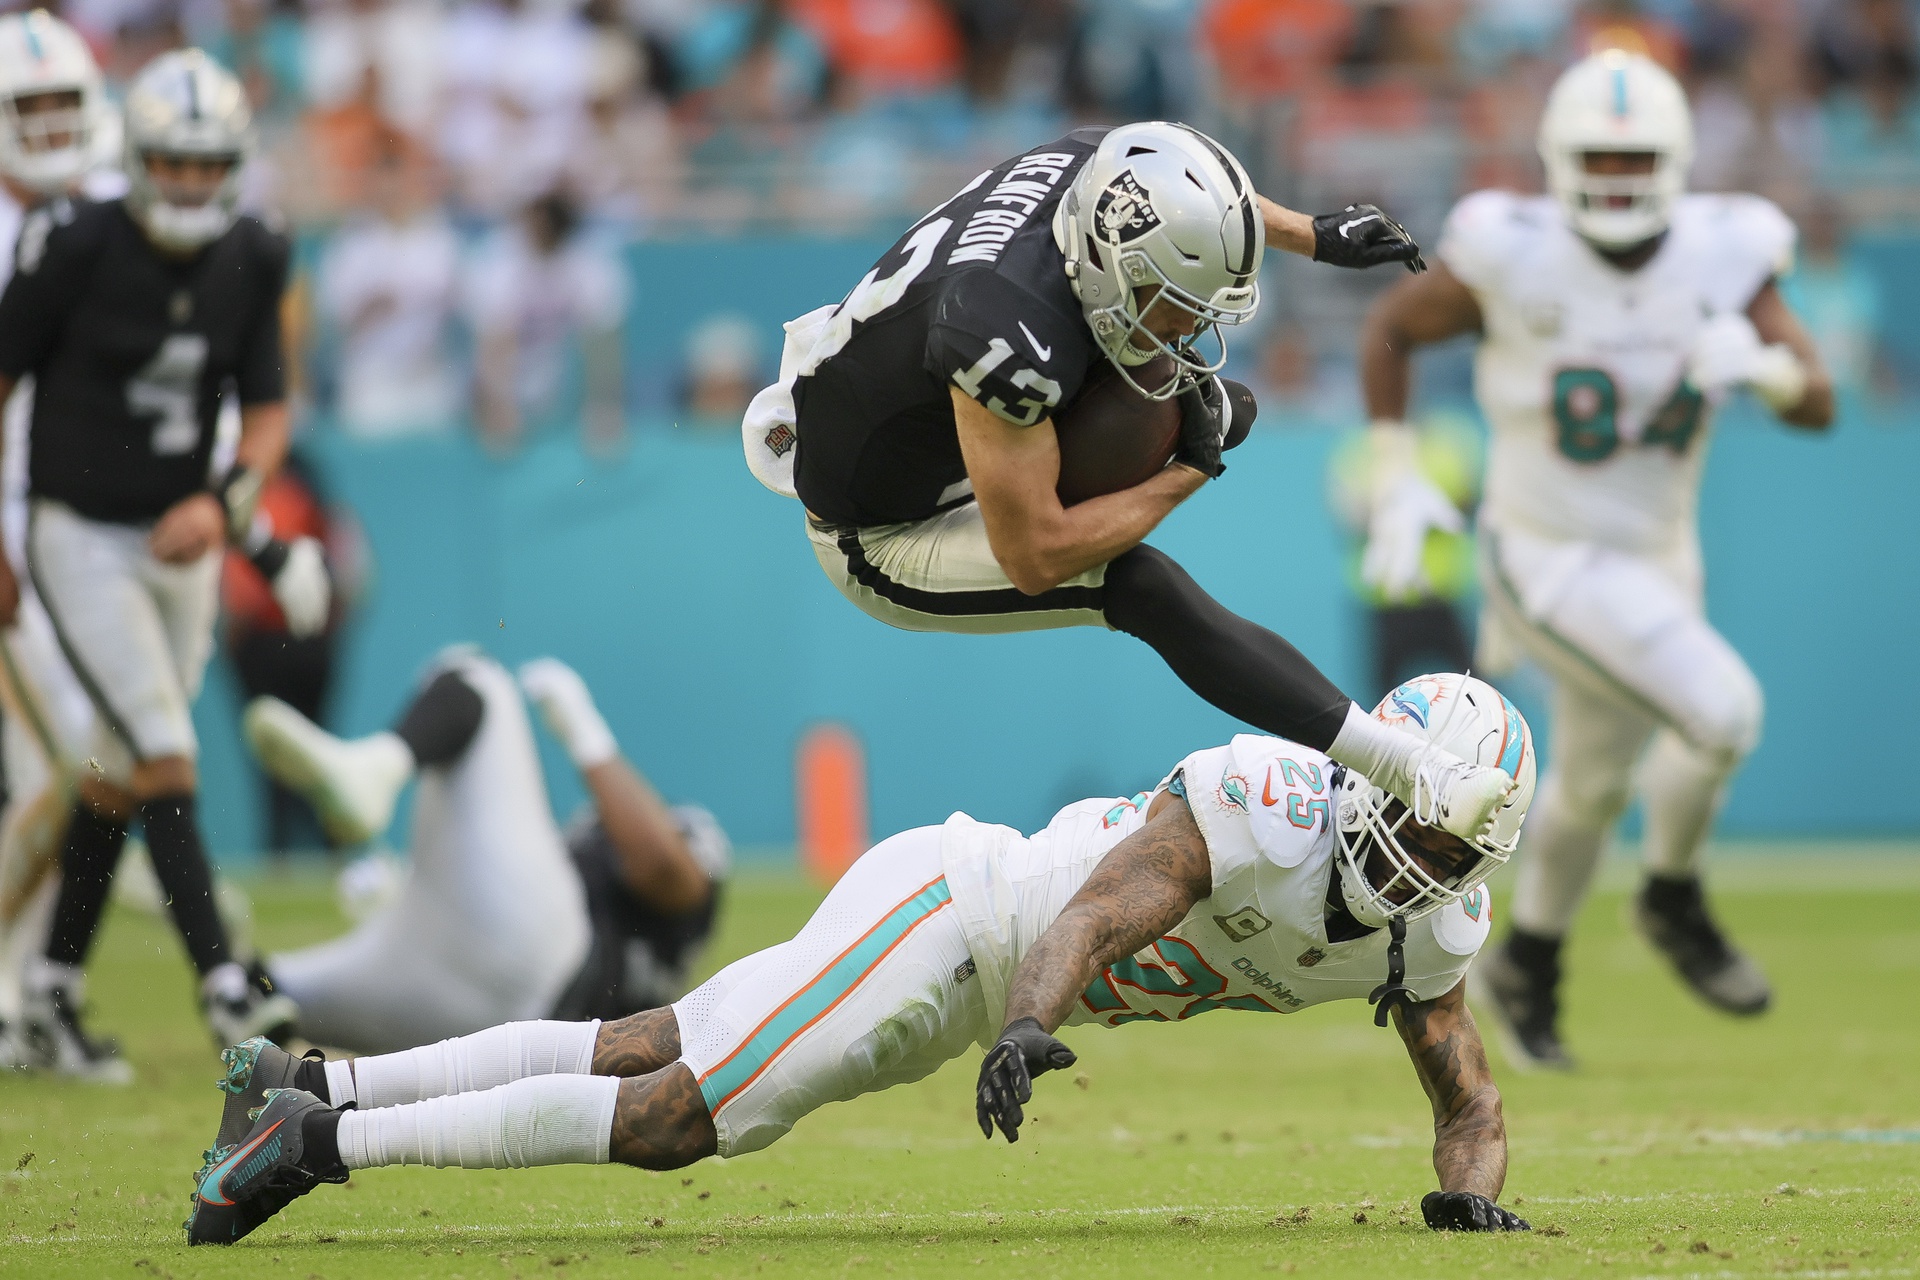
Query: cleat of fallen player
{"type": "Point", "coordinates": [253, 1068]}
{"type": "Point", "coordinates": [352, 784]}
{"type": "Point", "coordinates": [277, 1161]}
{"type": "Point", "coordinates": [1257, 876]}
{"type": "Point", "coordinates": [1615, 314]}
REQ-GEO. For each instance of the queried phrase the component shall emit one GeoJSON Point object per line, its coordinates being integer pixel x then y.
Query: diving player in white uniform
{"type": "Point", "coordinates": [1615, 315]}
{"type": "Point", "coordinates": [501, 914]}
{"type": "Point", "coordinates": [1258, 876]}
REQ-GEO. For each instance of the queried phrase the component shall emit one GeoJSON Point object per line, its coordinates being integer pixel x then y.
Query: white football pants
{"type": "Point", "coordinates": [492, 922]}
{"type": "Point", "coordinates": [1634, 662]}
{"type": "Point", "coordinates": [878, 989]}
{"type": "Point", "coordinates": [137, 633]}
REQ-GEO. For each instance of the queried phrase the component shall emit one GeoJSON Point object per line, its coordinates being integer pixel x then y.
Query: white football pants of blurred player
{"type": "Point", "coordinates": [49, 724]}
{"type": "Point", "coordinates": [491, 922]}
{"type": "Point", "coordinates": [1633, 660]}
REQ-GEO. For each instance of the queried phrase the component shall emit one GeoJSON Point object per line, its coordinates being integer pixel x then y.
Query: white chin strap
{"type": "Point", "coordinates": [174, 226]}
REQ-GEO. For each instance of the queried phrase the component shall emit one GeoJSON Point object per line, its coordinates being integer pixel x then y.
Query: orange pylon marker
{"type": "Point", "coordinates": [830, 792]}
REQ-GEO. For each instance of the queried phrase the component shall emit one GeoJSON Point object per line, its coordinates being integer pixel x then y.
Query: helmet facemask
{"type": "Point", "coordinates": [49, 135]}
{"type": "Point", "coordinates": [1616, 104]}
{"type": "Point", "coordinates": [1617, 210]}
{"type": "Point", "coordinates": [1394, 865]}
{"type": "Point", "coordinates": [185, 107]}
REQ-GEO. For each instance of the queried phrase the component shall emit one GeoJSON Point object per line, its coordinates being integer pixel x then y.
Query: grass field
{"type": "Point", "coordinates": [1690, 1145]}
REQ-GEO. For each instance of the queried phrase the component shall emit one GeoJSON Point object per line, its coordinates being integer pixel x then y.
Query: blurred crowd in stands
{"type": "Point", "coordinates": [468, 171]}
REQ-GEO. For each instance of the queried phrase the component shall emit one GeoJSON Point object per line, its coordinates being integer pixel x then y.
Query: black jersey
{"type": "Point", "coordinates": [975, 296]}
{"type": "Point", "coordinates": [640, 958]}
{"type": "Point", "coordinates": [131, 351]}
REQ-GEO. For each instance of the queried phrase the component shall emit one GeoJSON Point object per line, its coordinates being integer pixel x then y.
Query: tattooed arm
{"type": "Point", "coordinates": [1143, 887]}
{"type": "Point", "coordinates": [1469, 1135]}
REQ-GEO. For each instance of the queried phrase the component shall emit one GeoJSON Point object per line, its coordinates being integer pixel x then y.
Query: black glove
{"type": "Point", "coordinates": [1360, 235]}
{"type": "Point", "coordinates": [1201, 408]}
{"type": "Point", "coordinates": [1245, 410]}
{"type": "Point", "coordinates": [1465, 1211]}
{"type": "Point", "coordinates": [1006, 1076]}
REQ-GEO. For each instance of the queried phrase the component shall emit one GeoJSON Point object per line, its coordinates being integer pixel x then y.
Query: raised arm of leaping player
{"type": "Point", "coordinates": [1144, 886]}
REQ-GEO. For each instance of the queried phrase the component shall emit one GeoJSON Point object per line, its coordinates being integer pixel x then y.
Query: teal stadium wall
{"type": "Point", "coordinates": [688, 597]}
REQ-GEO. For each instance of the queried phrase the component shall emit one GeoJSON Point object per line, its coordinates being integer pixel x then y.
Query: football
{"type": "Point", "coordinates": [1112, 437]}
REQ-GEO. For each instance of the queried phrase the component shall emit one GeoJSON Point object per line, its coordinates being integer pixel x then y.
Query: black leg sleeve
{"type": "Point", "coordinates": [439, 724]}
{"type": "Point", "coordinates": [180, 864]}
{"type": "Point", "coordinates": [87, 861]}
{"type": "Point", "coordinates": [1240, 667]}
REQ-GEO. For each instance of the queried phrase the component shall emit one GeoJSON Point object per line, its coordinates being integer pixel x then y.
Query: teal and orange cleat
{"type": "Point", "coordinates": [241, 1186]}
{"type": "Point", "coordinates": [254, 1067]}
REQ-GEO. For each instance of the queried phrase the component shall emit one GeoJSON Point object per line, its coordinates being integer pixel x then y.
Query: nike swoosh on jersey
{"type": "Point", "coordinates": [210, 1189]}
{"type": "Point", "coordinates": [1045, 353]}
{"type": "Point", "coordinates": [1357, 222]}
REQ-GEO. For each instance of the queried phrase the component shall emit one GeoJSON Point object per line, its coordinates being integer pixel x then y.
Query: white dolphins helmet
{"type": "Point", "coordinates": [1162, 204]}
{"type": "Point", "coordinates": [1473, 720]}
{"type": "Point", "coordinates": [185, 104]}
{"type": "Point", "coordinates": [1617, 101]}
{"type": "Point", "coordinates": [40, 54]}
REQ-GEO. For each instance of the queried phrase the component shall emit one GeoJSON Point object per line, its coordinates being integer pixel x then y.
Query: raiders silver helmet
{"type": "Point", "coordinates": [1162, 204]}
{"type": "Point", "coordinates": [185, 104]}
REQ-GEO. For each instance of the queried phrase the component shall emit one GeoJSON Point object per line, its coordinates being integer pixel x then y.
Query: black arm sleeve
{"type": "Point", "coordinates": [52, 259]}
{"type": "Point", "coordinates": [262, 376]}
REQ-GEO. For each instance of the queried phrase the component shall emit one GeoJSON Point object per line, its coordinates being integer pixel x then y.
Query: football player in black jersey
{"type": "Point", "coordinates": [54, 134]}
{"type": "Point", "coordinates": [500, 915]}
{"type": "Point", "coordinates": [135, 318]}
{"type": "Point", "coordinates": [914, 421]}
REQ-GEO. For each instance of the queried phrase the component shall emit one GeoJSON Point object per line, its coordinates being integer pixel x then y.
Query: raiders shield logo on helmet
{"type": "Point", "coordinates": [1124, 212]}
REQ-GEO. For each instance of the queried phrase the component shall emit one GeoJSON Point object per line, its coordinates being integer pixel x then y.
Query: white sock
{"type": "Point", "coordinates": [543, 1120]}
{"type": "Point", "coordinates": [1681, 788]}
{"type": "Point", "coordinates": [484, 1060]}
{"type": "Point", "coordinates": [340, 1086]}
{"type": "Point", "coordinates": [1386, 755]}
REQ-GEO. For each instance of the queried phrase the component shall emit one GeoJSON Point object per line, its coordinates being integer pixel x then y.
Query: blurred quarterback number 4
{"type": "Point", "coordinates": [1586, 405]}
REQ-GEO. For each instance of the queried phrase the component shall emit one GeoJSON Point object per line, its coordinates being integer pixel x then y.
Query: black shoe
{"type": "Point", "coordinates": [240, 1187]}
{"type": "Point", "coordinates": [1672, 913]}
{"type": "Point", "coordinates": [253, 1068]}
{"type": "Point", "coordinates": [1518, 983]}
{"type": "Point", "coordinates": [255, 1009]}
{"type": "Point", "coordinates": [52, 1037]}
